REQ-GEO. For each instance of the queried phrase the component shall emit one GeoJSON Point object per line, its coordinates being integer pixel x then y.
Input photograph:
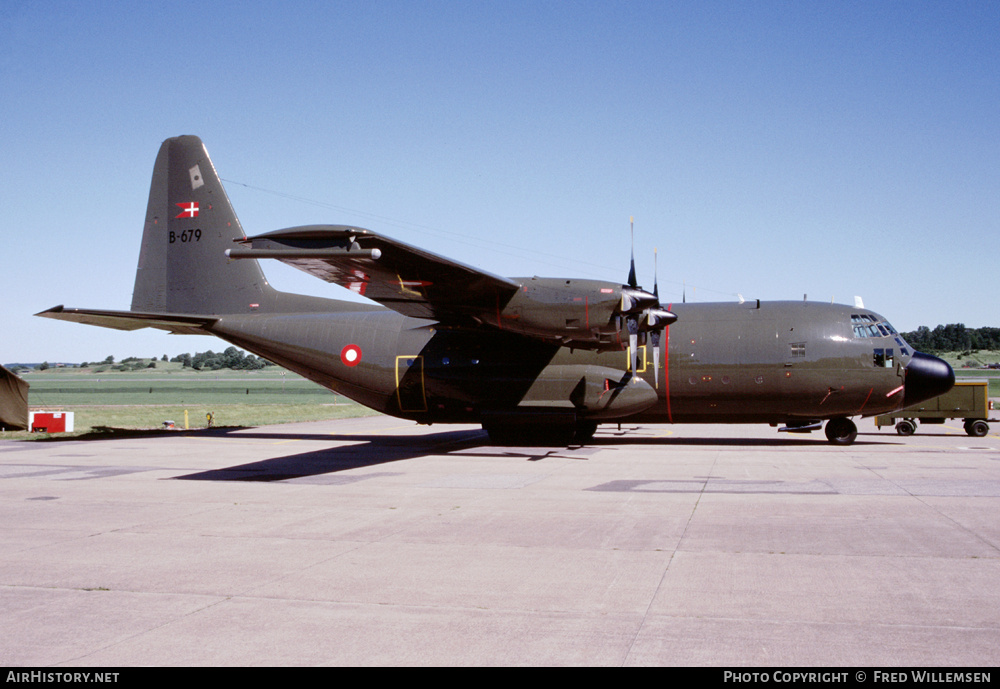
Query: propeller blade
{"type": "Point", "coordinates": [632, 281]}
{"type": "Point", "coordinates": [655, 337]}
{"type": "Point", "coordinates": [627, 302]}
{"type": "Point", "coordinates": [633, 343]}
{"type": "Point", "coordinates": [656, 367]}
{"type": "Point", "coordinates": [656, 291]}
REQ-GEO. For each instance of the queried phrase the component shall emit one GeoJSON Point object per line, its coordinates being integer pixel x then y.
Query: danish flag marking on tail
{"type": "Point", "coordinates": [189, 210]}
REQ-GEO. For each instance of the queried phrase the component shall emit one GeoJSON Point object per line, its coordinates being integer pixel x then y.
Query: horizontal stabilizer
{"type": "Point", "coordinates": [133, 320]}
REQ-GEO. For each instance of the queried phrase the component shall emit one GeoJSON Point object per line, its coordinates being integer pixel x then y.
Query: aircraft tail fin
{"type": "Point", "coordinates": [183, 268]}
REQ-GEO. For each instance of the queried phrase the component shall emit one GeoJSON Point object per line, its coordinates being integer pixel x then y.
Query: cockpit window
{"type": "Point", "coordinates": [868, 325]}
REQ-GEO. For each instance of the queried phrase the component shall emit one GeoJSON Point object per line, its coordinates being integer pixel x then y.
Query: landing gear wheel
{"type": "Point", "coordinates": [977, 429]}
{"type": "Point", "coordinates": [530, 435]}
{"type": "Point", "coordinates": [841, 431]}
{"type": "Point", "coordinates": [906, 427]}
{"type": "Point", "coordinates": [584, 432]}
{"type": "Point", "coordinates": [500, 435]}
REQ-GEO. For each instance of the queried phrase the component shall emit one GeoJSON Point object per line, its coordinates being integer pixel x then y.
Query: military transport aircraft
{"type": "Point", "coordinates": [543, 360]}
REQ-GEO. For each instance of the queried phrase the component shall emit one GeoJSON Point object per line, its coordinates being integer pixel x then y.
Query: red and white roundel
{"type": "Point", "coordinates": [350, 355]}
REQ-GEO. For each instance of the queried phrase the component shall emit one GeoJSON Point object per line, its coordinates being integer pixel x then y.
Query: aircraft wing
{"type": "Point", "coordinates": [401, 277]}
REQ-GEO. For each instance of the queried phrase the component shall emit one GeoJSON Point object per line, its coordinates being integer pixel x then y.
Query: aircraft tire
{"type": "Point", "coordinates": [520, 435]}
{"type": "Point", "coordinates": [841, 431]}
{"type": "Point", "coordinates": [584, 432]}
{"type": "Point", "coordinates": [906, 427]}
{"type": "Point", "coordinates": [977, 429]}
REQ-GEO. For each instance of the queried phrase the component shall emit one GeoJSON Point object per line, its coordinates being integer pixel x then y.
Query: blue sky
{"type": "Point", "coordinates": [770, 149]}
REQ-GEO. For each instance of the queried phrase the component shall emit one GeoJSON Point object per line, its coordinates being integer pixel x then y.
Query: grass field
{"type": "Point", "coordinates": [146, 398]}
{"type": "Point", "coordinates": [992, 376]}
{"type": "Point", "coordinates": [106, 390]}
{"type": "Point", "coordinates": [958, 361]}
{"type": "Point", "coordinates": [978, 358]}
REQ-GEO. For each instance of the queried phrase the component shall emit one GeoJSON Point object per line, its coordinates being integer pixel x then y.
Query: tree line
{"type": "Point", "coordinates": [231, 358]}
{"type": "Point", "coordinates": [953, 338]}
{"type": "Point", "coordinates": [212, 361]}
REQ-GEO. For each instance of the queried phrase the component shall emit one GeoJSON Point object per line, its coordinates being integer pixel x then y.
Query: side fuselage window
{"type": "Point", "coordinates": [883, 358]}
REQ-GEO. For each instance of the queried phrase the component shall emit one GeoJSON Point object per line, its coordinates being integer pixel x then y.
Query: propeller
{"type": "Point", "coordinates": [643, 312]}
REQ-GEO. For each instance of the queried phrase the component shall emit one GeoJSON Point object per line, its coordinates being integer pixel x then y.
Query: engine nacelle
{"type": "Point", "coordinates": [589, 314]}
{"type": "Point", "coordinates": [581, 313]}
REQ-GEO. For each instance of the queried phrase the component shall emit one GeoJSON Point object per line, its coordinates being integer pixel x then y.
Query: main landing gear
{"type": "Point", "coordinates": [841, 431]}
{"type": "Point", "coordinates": [543, 434]}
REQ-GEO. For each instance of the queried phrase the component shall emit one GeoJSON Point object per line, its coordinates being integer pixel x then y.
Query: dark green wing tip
{"type": "Point", "coordinates": [54, 309]}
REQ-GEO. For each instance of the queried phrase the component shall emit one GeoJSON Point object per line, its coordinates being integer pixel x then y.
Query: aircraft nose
{"type": "Point", "coordinates": [926, 377]}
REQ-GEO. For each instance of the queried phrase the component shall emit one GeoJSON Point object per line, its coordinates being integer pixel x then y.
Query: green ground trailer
{"type": "Point", "coordinates": [968, 401]}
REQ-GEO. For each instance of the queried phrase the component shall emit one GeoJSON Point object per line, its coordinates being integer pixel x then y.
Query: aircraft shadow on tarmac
{"type": "Point", "coordinates": [369, 450]}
